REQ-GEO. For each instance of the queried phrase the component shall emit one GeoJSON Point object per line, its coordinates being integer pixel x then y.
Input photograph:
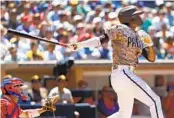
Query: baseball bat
{"type": "Point", "coordinates": [26, 35]}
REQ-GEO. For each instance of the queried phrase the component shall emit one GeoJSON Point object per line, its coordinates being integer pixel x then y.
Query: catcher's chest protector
{"type": "Point", "coordinates": [9, 109]}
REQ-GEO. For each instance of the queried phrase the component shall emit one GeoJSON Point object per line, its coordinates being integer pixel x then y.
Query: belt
{"type": "Point", "coordinates": [123, 67]}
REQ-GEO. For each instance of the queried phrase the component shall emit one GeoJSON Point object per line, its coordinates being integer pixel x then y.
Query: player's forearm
{"type": "Point", "coordinates": [149, 53]}
{"type": "Point", "coordinates": [95, 41]}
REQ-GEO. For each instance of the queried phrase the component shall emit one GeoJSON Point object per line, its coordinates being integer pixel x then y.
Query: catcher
{"type": "Point", "coordinates": [12, 93]}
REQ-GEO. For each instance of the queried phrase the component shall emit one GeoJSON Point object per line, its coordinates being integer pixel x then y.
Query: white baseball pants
{"type": "Point", "coordinates": [128, 87]}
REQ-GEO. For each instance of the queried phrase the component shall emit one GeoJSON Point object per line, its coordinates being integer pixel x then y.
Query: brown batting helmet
{"type": "Point", "coordinates": [130, 14]}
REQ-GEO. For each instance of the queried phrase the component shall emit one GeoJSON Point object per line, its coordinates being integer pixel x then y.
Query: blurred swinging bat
{"type": "Point", "coordinates": [26, 35]}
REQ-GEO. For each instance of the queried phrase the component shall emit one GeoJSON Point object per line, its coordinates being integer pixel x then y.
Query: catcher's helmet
{"type": "Point", "coordinates": [9, 87]}
{"type": "Point", "coordinates": [130, 14]}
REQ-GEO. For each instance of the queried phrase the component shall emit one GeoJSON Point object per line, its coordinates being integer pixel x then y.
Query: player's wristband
{"type": "Point", "coordinates": [93, 42]}
{"type": "Point", "coordinates": [33, 113]}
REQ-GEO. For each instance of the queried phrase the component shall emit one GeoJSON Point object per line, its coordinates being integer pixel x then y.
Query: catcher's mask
{"type": "Point", "coordinates": [130, 14]}
{"type": "Point", "coordinates": [13, 87]}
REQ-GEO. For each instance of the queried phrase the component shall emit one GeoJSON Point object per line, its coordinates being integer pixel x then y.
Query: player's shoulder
{"type": "Point", "coordinates": [119, 26]}
{"type": "Point", "coordinates": [66, 90]}
{"type": "Point", "coordinates": [55, 89]}
{"type": "Point", "coordinates": [142, 33]}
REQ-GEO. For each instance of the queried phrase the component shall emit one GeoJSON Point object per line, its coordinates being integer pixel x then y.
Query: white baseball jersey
{"type": "Point", "coordinates": [127, 46]}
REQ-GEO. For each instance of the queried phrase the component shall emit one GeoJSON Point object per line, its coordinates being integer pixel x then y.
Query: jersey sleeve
{"type": "Point", "coordinates": [145, 38]}
{"type": "Point", "coordinates": [115, 32]}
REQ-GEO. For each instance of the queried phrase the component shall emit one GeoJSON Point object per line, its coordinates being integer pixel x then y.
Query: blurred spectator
{"type": "Point", "coordinates": [84, 32]}
{"type": "Point", "coordinates": [169, 103]}
{"type": "Point", "coordinates": [43, 26]}
{"type": "Point", "coordinates": [159, 20]}
{"type": "Point", "coordinates": [146, 20]}
{"type": "Point", "coordinates": [8, 76]}
{"type": "Point", "coordinates": [160, 88]}
{"type": "Point", "coordinates": [13, 21]}
{"type": "Point", "coordinates": [169, 47]}
{"type": "Point", "coordinates": [4, 40]}
{"type": "Point", "coordinates": [112, 19]}
{"type": "Point", "coordinates": [53, 14]}
{"type": "Point", "coordinates": [34, 53]}
{"type": "Point", "coordinates": [152, 32]}
{"type": "Point", "coordinates": [23, 44]}
{"type": "Point", "coordinates": [105, 51]}
{"type": "Point", "coordinates": [51, 54]}
{"type": "Point", "coordinates": [108, 6]}
{"type": "Point", "coordinates": [162, 36]}
{"type": "Point", "coordinates": [67, 53]}
{"type": "Point", "coordinates": [164, 33]}
{"type": "Point", "coordinates": [48, 36]}
{"type": "Point", "coordinates": [170, 13]}
{"type": "Point", "coordinates": [107, 104]}
{"type": "Point", "coordinates": [77, 19]}
{"type": "Point", "coordinates": [61, 90]}
{"type": "Point", "coordinates": [81, 35]}
{"type": "Point", "coordinates": [3, 52]}
{"type": "Point", "coordinates": [63, 16]}
{"type": "Point", "coordinates": [88, 53]}
{"type": "Point", "coordinates": [26, 25]}
{"type": "Point", "coordinates": [169, 83]}
{"type": "Point", "coordinates": [36, 20]}
{"type": "Point", "coordinates": [83, 8]}
{"type": "Point", "coordinates": [26, 12]}
{"type": "Point", "coordinates": [14, 56]}
{"type": "Point", "coordinates": [37, 93]}
{"type": "Point", "coordinates": [58, 30]}
{"type": "Point", "coordinates": [83, 85]}
{"type": "Point", "coordinates": [4, 16]}
{"type": "Point", "coordinates": [97, 22]}
{"type": "Point", "coordinates": [72, 7]}
{"type": "Point", "coordinates": [94, 13]}
{"type": "Point", "coordinates": [4, 43]}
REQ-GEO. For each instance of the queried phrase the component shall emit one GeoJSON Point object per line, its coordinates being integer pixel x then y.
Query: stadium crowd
{"type": "Point", "coordinates": [70, 21]}
{"type": "Point", "coordinates": [75, 21]}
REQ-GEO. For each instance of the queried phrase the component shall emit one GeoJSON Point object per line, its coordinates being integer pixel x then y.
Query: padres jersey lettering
{"type": "Point", "coordinates": [126, 45]}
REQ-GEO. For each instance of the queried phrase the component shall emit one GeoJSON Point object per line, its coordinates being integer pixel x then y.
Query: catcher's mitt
{"type": "Point", "coordinates": [49, 103]}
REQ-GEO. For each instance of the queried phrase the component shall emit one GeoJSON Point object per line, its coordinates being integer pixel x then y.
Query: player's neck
{"type": "Point", "coordinates": [133, 27]}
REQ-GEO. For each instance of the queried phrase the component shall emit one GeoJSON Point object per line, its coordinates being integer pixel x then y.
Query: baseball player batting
{"type": "Point", "coordinates": [128, 44]}
{"type": "Point", "coordinates": [12, 93]}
